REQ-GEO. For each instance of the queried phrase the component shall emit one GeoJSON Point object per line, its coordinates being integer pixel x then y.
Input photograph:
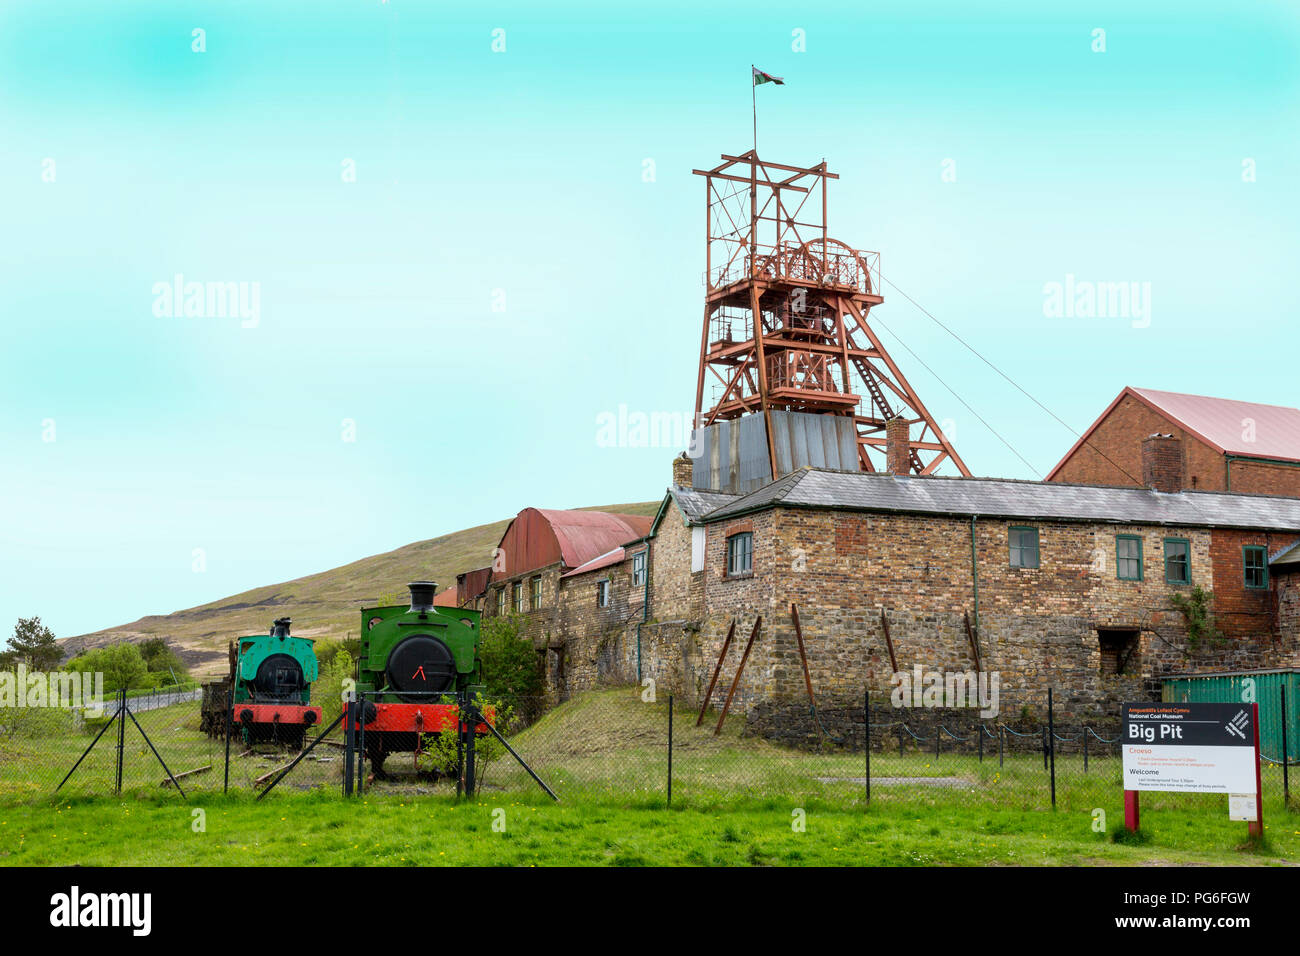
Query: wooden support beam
{"type": "Point", "coordinates": [889, 643]}
{"type": "Point", "coordinates": [735, 682]}
{"type": "Point", "coordinates": [803, 657]}
{"type": "Point", "coordinates": [974, 641]}
{"type": "Point", "coordinates": [717, 669]}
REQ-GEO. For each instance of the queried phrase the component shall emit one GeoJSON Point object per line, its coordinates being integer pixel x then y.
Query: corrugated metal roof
{"type": "Point", "coordinates": [1289, 558]}
{"type": "Point", "coordinates": [539, 537]}
{"type": "Point", "coordinates": [994, 497]}
{"type": "Point", "coordinates": [446, 597]}
{"type": "Point", "coordinates": [606, 560]}
{"type": "Point", "coordinates": [1225, 423]}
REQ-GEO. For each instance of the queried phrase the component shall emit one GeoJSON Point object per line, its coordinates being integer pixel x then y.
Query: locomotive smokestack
{"type": "Point", "coordinates": [422, 593]}
{"type": "Point", "coordinates": [280, 627]}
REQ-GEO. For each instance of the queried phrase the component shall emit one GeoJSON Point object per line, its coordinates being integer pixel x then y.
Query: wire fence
{"type": "Point", "coordinates": [619, 745]}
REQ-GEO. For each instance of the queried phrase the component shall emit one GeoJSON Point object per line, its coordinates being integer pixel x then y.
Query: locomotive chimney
{"type": "Point", "coordinates": [280, 627]}
{"type": "Point", "coordinates": [422, 593]}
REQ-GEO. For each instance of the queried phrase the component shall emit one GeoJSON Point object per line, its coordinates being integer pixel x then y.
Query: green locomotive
{"type": "Point", "coordinates": [415, 662]}
{"type": "Point", "coordinates": [272, 676]}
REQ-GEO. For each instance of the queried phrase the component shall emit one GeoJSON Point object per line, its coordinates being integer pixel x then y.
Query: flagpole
{"type": "Point", "coordinates": [753, 95]}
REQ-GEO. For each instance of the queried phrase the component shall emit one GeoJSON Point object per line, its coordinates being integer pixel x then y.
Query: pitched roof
{"type": "Point", "coordinates": [606, 560]}
{"type": "Point", "coordinates": [1005, 498]}
{"type": "Point", "coordinates": [446, 598]}
{"type": "Point", "coordinates": [1289, 558]}
{"type": "Point", "coordinates": [1222, 423]}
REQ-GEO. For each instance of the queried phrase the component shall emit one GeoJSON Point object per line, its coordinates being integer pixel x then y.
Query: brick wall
{"type": "Point", "coordinates": [1120, 434]}
{"type": "Point", "coordinates": [1038, 626]}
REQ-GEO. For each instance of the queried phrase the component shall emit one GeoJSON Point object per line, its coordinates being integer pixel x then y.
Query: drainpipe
{"type": "Point", "coordinates": [975, 576]}
{"type": "Point", "coordinates": [1229, 459]}
{"type": "Point", "coordinates": [645, 612]}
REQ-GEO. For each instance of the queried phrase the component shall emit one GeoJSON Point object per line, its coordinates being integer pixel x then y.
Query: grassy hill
{"type": "Point", "coordinates": [322, 605]}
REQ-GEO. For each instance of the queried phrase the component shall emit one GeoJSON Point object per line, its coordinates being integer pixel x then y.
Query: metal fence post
{"type": "Point", "coordinates": [670, 750]}
{"type": "Point", "coordinates": [230, 708]}
{"type": "Point", "coordinates": [349, 746]}
{"type": "Point", "coordinates": [866, 737]}
{"type": "Point", "coordinates": [1286, 775]}
{"type": "Point", "coordinates": [1051, 742]}
{"type": "Point", "coordinates": [121, 736]}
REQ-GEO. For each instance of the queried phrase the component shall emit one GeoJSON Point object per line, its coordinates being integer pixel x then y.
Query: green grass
{"type": "Point", "coordinates": [321, 829]}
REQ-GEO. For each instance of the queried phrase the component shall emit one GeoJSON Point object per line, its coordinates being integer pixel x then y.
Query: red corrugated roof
{"type": "Point", "coordinates": [539, 537]}
{"type": "Point", "coordinates": [446, 597]}
{"type": "Point", "coordinates": [609, 559]}
{"type": "Point", "coordinates": [1222, 423]}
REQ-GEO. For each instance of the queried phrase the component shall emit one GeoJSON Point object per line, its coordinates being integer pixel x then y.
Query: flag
{"type": "Point", "coordinates": [761, 77]}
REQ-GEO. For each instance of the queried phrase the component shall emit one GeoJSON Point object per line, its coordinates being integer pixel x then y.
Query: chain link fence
{"type": "Point", "coordinates": [621, 745]}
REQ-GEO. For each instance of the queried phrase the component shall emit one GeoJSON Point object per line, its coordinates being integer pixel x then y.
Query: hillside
{"type": "Point", "coordinates": [322, 605]}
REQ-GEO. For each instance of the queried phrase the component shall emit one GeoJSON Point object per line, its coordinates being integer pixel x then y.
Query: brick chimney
{"type": "Point", "coordinates": [897, 434]}
{"type": "Point", "coordinates": [1163, 466]}
{"type": "Point", "coordinates": [683, 468]}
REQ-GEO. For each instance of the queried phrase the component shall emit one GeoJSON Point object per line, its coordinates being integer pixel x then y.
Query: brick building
{"type": "Point", "coordinates": [1226, 445]}
{"type": "Point", "coordinates": [1078, 587]}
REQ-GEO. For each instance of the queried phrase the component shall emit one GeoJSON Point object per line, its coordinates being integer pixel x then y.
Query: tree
{"type": "Point", "coordinates": [510, 669]}
{"type": "Point", "coordinates": [121, 665]}
{"type": "Point", "coordinates": [32, 645]}
{"type": "Point", "coordinates": [160, 659]}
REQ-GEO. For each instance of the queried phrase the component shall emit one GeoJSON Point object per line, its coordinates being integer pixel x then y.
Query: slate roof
{"type": "Point", "coordinates": [696, 504]}
{"type": "Point", "coordinates": [1004, 498]}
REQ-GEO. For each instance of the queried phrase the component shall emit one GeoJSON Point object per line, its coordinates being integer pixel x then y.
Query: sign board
{"type": "Point", "coordinates": [1242, 806]}
{"type": "Point", "coordinates": [1189, 748]}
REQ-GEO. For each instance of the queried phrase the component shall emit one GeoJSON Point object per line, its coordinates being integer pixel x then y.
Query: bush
{"type": "Point", "coordinates": [327, 692]}
{"type": "Point", "coordinates": [510, 670]}
{"type": "Point", "coordinates": [121, 664]}
{"type": "Point", "coordinates": [439, 750]}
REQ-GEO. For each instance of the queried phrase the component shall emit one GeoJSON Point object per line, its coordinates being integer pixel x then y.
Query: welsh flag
{"type": "Point", "coordinates": [761, 77]}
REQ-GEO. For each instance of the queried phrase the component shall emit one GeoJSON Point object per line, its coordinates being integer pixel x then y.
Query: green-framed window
{"type": "Point", "coordinates": [517, 593]}
{"type": "Point", "coordinates": [638, 569]}
{"type": "Point", "coordinates": [602, 593]}
{"type": "Point", "coordinates": [1178, 561]}
{"type": "Point", "coordinates": [1128, 557]}
{"type": "Point", "coordinates": [1254, 565]}
{"type": "Point", "coordinates": [740, 553]}
{"type": "Point", "coordinates": [1022, 546]}
{"type": "Point", "coordinates": [537, 593]}
{"type": "Point", "coordinates": [501, 602]}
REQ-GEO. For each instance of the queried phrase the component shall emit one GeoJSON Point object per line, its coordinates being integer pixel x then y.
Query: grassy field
{"type": "Point", "coordinates": [321, 829]}
{"type": "Point", "coordinates": [323, 605]}
{"type": "Point", "coordinates": [734, 802]}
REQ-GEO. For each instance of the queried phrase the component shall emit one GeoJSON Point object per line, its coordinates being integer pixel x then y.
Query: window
{"type": "Point", "coordinates": [638, 570]}
{"type": "Point", "coordinates": [1023, 545]}
{"type": "Point", "coordinates": [602, 594]}
{"type": "Point", "coordinates": [537, 592]}
{"type": "Point", "coordinates": [698, 540]}
{"type": "Point", "coordinates": [1254, 561]}
{"type": "Point", "coordinates": [740, 553]}
{"type": "Point", "coordinates": [1118, 645]}
{"type": "Point", "coordinates": [1128, 557]}
{"type": "Point", "coordinates": [501, 602]}
{"type": "Point", "coordinates": [1178, 561]}
{"type": "Point", "coordinates": [518, 594]}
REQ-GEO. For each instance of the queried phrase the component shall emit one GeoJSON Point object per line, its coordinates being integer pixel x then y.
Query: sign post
{"type": "Point", "coordinates": [1194, 748]}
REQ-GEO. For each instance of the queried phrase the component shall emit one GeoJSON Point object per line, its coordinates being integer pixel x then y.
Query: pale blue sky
{"type": "Point", "coordinates": [522, 171]}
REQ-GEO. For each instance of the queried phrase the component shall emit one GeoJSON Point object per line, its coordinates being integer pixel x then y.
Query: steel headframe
{"type": "Point", "coordinates": [812, 348]}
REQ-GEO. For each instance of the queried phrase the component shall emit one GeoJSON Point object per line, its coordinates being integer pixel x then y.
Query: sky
{"type": "Point", "coordinates": [471, 231]}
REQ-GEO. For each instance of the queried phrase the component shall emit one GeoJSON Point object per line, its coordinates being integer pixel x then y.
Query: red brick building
{"type": "Point", "coordinates": [1226, 445]}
